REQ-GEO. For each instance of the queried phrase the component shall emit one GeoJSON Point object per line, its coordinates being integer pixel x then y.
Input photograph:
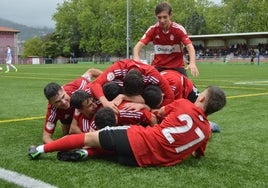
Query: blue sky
{"type": "Point", "coordinates": [35, 13]}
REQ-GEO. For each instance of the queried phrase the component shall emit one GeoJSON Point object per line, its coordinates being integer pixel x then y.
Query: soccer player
{"type": "Point", "coordinates": [181, 85]}
{"type": "Point", "coordinates": [85, 119]}
{"type": "Point", "coordinates": [58, 107]}
{"type": "Point", "coordinates": [168, 39]}
{"type": "Point", "coordinates": [151, 97]}
{"type": "Point", "coordinates": [9, 60]}
{"type": "Point", "coordinates": [127, 116]}
{"type": "Point", "coordinates": [85, 108]}
{"type": "Point", "coordinates": [133, 76]}
{"type": "Point", "coordinates": [184, 131]}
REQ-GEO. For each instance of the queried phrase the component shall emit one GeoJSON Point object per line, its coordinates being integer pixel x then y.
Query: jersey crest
{"type": "Point", "coordinates": [110, 76]}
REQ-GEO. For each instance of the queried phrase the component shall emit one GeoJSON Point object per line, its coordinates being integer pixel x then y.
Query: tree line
{"type": "Point", "coordinates": [92, 27]}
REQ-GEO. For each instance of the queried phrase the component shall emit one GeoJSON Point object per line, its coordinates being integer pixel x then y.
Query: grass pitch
{"type": "Point", "coordinates": [236, 157]}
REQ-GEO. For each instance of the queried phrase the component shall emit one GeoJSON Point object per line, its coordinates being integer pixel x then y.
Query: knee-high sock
{"type": "Point", "coordinates": [69, 142]}
{"type": "Point", "coordinates": [98, 152]}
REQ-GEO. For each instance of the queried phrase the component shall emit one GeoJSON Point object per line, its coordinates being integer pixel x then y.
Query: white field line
{"type": "Point", "coordinates": [264, 82]}
{"type": "Point", "coordinates": [22, 180]}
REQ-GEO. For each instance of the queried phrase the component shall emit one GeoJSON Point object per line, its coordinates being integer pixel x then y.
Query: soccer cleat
{"type": "Point", "coordinates": [73, 155]}
{"type": "Point", "coordinates": [33, 153]}
{"type": "Point", "coordinates": [214, 127]}
{"type": "Point", "coordinates": [16, 70]}
{"type": "Point", "coordinates": [6, 71]}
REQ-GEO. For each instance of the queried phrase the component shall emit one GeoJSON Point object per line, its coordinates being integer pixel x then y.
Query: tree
{"type": "Point", "coordinates": [33, 47]}
{"type": "Point", "coordinates": [182, 10]}
{"type": "Point", "coordinates": [253, 17]}
{"type": "Point", "coordinates": [216, 19]}
{"type": "Point", "coordinates": [246, 15]}
{"type": "Point", "coordinates": [67, 27]}
{"type": "Point", "coordinates": [196, 24]}
{"type": "Point", "coordinates": [142, 16]}
{"type": "Point", "coordinates": [114, 38]}
{"type": "Point", "coordinates": [90, 27]}
{"type": "Point", "coordinates": [53, 47]}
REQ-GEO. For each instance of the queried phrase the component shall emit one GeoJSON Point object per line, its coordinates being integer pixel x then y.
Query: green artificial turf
{"type": "Point", "coordinates": [235, 157]}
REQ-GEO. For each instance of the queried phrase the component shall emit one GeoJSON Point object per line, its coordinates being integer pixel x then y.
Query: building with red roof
{"type": "Point", "coordinates": [9, 37]}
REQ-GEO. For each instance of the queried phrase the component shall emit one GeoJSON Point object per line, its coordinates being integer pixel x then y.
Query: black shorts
{"type": "Point", "coordinates": [180, 70]}
{"type": "Point", "coordinates": [115, 139]}
{"type": "Point", "coordinates": [193, 95]}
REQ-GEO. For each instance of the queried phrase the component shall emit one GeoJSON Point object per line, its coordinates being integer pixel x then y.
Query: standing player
{"type": "Point", "coordinates": [58, 107]}
{"type": "Point", "coordinates": [9, 60]}
{"type": "Point", "coordinates": [184, 131]}
{"type": "Point", "coordinates": [168, 39]}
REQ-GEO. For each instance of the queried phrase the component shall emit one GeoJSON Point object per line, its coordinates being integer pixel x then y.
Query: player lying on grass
{"type": "Point", "coordinates": [85, 119]}
{"type": "Point", "coordinates": [183, 87]}
{"type": "Point", "coordinates": [58, 108]}
{"type": "Point", "coordinates": [133, 76]}
{"type": "Point", "coordinates": [184, 131]}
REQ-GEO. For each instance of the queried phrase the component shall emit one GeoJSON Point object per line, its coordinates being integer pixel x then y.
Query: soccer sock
{"type": "Point", "coordinates": [7, 68]}
{"type": "Point", "coordinates": [69, 142]}
{"type": "Point", "coordinates": [40, 148]}
{"type": "Point", "coordinates": [98, 152]}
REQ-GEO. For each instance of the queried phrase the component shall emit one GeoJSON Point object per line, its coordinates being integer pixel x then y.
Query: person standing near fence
{"type": "Point", "coordinates": [9, 60]}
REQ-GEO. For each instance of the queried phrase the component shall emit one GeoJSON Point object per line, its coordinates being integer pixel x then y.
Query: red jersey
{"type": "Point", "coordinates": [168, 46]}
{"type": "Point", "coordinates": [184, 130]}
{"type": "Point", "coordinates": [119, 69]}
{"type": "Point", "coordinates": [142, 117]}
{"type": "Point", "coordinates": [85, 124]}
{"type": "Point", "coordinates": [180, 84]}
{"type": "Point", "coordinates": [53, 114]}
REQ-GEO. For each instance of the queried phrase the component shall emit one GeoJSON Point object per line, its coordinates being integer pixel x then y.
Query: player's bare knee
{"type": "Point", "coordinates": [92, 139]}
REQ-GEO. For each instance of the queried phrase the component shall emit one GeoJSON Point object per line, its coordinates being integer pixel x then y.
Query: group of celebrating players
{"type": "Point", "coordinates": [147, 115]}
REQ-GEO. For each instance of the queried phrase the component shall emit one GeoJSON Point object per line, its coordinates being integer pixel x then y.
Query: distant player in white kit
{"type": "Point", "coordinates": [9, 59]}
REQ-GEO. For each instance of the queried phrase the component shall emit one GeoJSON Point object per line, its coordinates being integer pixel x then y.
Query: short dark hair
{"type": "Point", "coordinates": [216, 100]}
{"type": "Point", "coordinates": [78, 98]}
{"type": "Point", "coordinates": [152, 96]}
{"type": "Point", "coordinates": [104, 117]}
{"type": "Point", "coordinates": [164, 6]}
{"type": "Point", "coordinates": [133, 83]}
{"type": "Point", "coordinates": [111, 90]}
{"type": "Point", "coordinates": [51, 90]}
